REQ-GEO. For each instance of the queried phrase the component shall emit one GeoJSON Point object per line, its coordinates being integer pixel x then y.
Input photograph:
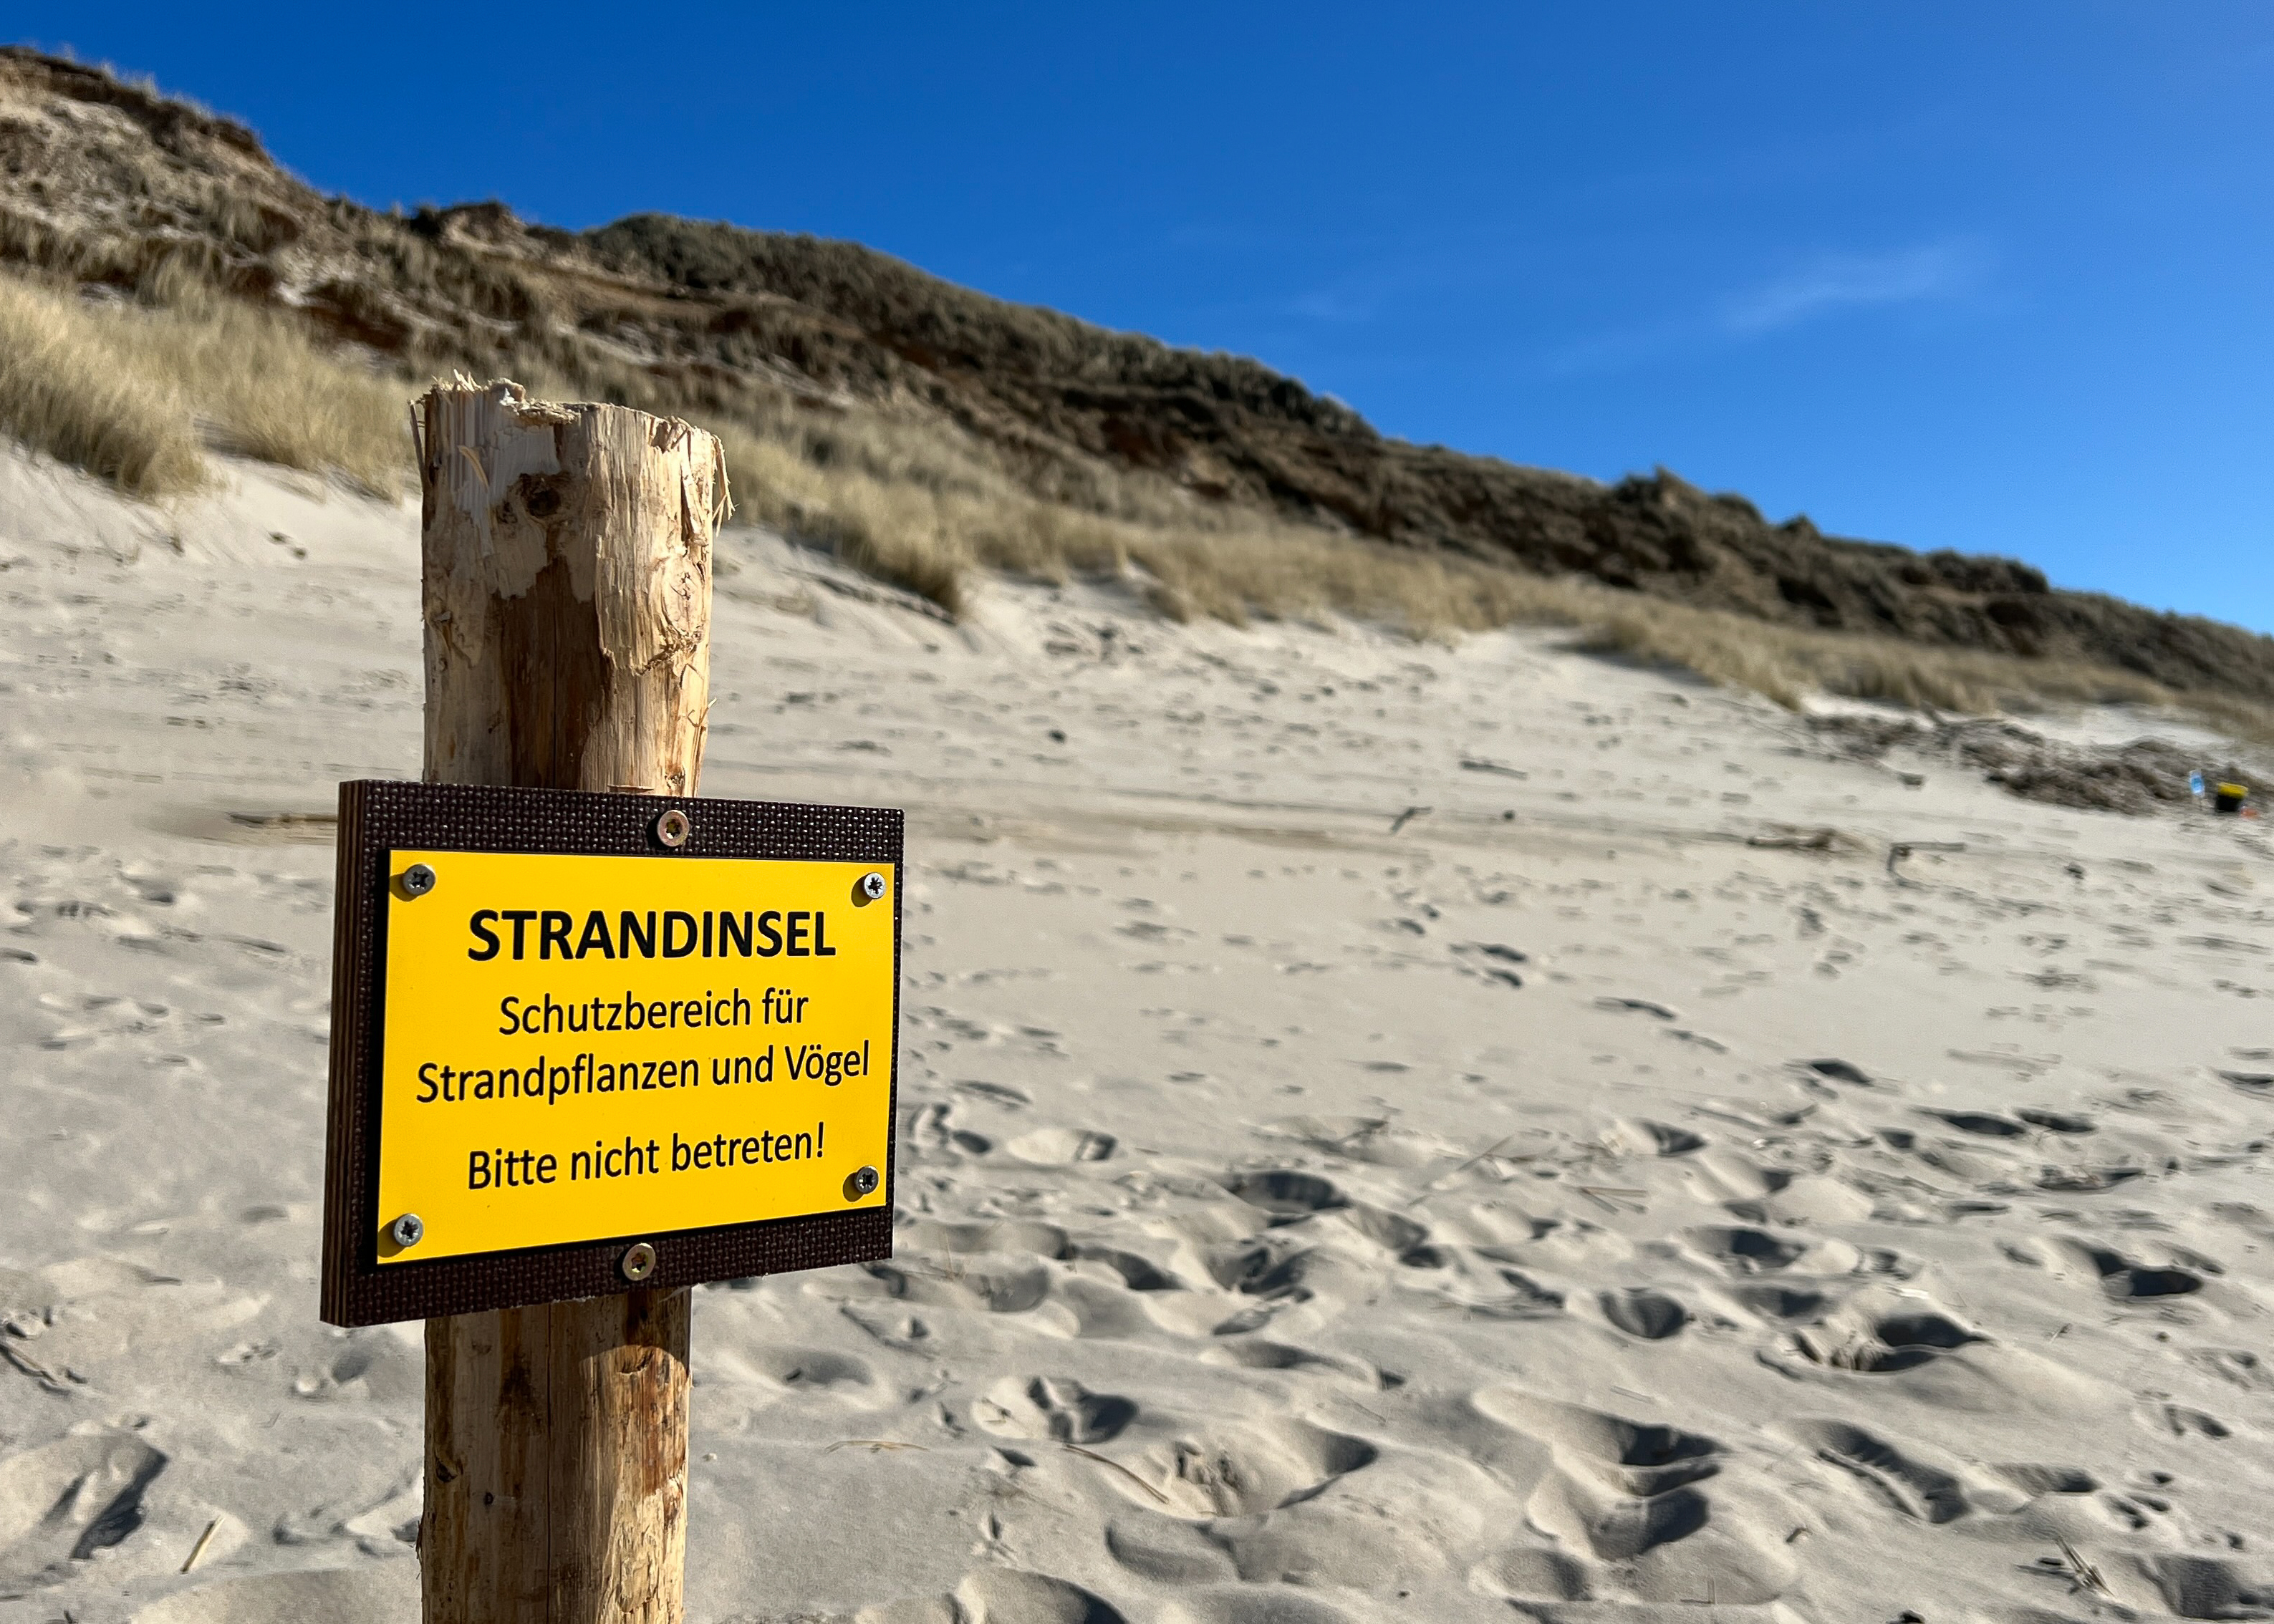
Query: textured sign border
{"type": "Point", "coordinates": [378, 818]}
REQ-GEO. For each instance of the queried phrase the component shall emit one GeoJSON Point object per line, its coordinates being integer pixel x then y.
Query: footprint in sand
{"type": "Point", "coordinates": [1898, 1478]}
{"type": "Point", "coordinates": [1614, 1529]}
{"type": "Point", "coordinates": [1737, 1182]}
{"type": "Point", "coordinates": [1281, 1191]}
{"type": "Point", "coordinates": [1779, 1302]}
{"type": "Point", "coordinates": [1624, 1499]}
{"type": "Point", "coordinates": [2124, 1280]}
{"type": "Point", "coordinates": [1054, 1408]}
{"type": "Point", "coordinates": [2085, 1180]}
{"type": "Point", "coordinates": [2183, 1421]}
{"type": "Point", "coordinates": [1839, 1071]}
{"type": "Point", "coordinates": [1001, 1267]}
{"type": "Point", "coordinates": [1482, 1283]}
{"type": "Point", "coordinates": [1636, 1458]}
{"type": "Point", "coordinates": [932, 1128]}
{"type": "Point", "coordinates": [807, 1370]}
{"type": "Point", "coordinates": [374, 1364]}
{"type": "Point", "coordinates": [1062, 1147]}
{"type": "Point", "coordinates": [1529, 1572]}
{"type": "Point", "coordinates": [393, 1521]}
{"type": "Point", "coordinates": [1008, 1595]}
{"type": "Point", "coordinates": [994, 1094]}
{"type": "Point", "coordinates": [1652, 1316]}
{"type": "Point", "coordinates": [1256, 1353]}
{"type": "Point", "coordinates": [1874, 1334]}
{"type": "Point", "coordinates": [1278, 1267]}
{"type": "Point", "coordinates": [1396, 1234]}
{"type": "Point", "coordinates": [1638, 1007]}
{"type": "Point", "coordinates": [1987, 1124]}
{"type": "Point", "coordinates": [64, 1501]}
{"type": "Point", "coordinates": [990, 1281]}
{"type": "Point", "coordinates": [2034, 1479]}
{"type": "Point", "coordinates": [1242, 1470]}
{"type": "Point", "coordinates": [1137, 1274]}
{"type": "Point", "coordinates": [1747, 1251]}
{"type": "Point", "coordinates": [2194, 1587]}
{"type": "Point", "coordinates": [1169, 1551]}
{"type": "Point", "coordinates": [2248, 1371]}
{"type": "Point", "coordinates": [1500, 961]}
{"type": "Point", "coordinates": [1655, 1139]}
{"type": "Point", "coordinates": [1741, 1249]}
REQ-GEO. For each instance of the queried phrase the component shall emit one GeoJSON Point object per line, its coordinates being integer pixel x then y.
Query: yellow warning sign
{"type": "Point", "coordinates": [578, 1049]}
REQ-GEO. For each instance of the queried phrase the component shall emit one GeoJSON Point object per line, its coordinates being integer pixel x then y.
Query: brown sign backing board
{"type": "Point", "coordinates": [380, 819]}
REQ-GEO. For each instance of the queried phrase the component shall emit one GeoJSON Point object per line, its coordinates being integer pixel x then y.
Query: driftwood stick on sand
{"type": "Point", "coordinates": [567, 582]}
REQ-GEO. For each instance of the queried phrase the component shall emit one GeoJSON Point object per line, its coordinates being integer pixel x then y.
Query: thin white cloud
{"type": "Point", "coordinates": [1328, 305]}
{"type": "Point", "coordinates": [1835, 282]}
{"type": "Point", "coordinates": [1618, 350]}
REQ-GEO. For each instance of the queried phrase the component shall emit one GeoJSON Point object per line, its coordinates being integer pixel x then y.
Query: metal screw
{"type": "Point", "coordinates": [863, 1181]}
{"type": "Point", "coordinates": [638, 1263]}
{"type": "Point", "coordinates": [872, 886]}
{"type": "Point", "coordinates": [417, 880]}
{"type": "Point", "coordinates": [672, 828]}
{"type": "Point", "coordinates": [408, 1230]}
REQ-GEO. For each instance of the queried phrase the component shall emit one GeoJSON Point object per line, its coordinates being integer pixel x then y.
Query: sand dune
{"type": "Point", "coordinates": [1389, 1130]}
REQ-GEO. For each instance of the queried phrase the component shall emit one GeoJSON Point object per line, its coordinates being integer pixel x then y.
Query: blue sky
{"type": "Point", "coordinates": [1993, 277]}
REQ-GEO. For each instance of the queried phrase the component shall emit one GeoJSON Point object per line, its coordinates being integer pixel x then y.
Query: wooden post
{"type": "Point", "coordinates": [566, 586]}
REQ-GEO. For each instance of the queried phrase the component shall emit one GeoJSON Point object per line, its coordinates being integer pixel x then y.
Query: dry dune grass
{"type": "Point", "coordinates": [69, 386]}
{"type": "Point", "coordinates": [131, 391]}
{"type": "Point", "coordinates": [930, 532]}
{"type": "Point", "coordinates": [1787, 663]}
{"type": "Point", "coordinates": [269, 393]}
{"type": "Point", "coordinates": [929, 536]}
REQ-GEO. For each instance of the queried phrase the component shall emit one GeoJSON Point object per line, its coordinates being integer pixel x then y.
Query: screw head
{"type": "Point", "coordinates": [638, 1263]}
{"type": "Point", "coordinates": [872, 885]}
{"type": "Point", "coordinates": [408, 1230]}
{"type": "Point", "coordinates": [417, 880]}
{"type": "Point", "coordinates": [862, 1182]}
{"type": "Point", "coordinates": [672, 829]}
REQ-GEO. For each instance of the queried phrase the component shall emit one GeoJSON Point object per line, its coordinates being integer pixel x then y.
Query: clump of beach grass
{"type": "Point", "coordinates": [134, 393]}
{"type": "Point", "coordinates": [69, 385]}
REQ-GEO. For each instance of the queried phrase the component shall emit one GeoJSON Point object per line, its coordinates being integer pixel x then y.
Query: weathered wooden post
{"type": "Point", "coordinates": [595, 1040]}
{"type": "Point", "coordinates": [566, 596]}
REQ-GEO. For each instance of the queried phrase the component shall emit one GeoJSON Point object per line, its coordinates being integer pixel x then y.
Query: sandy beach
{"type": "Point", "coordinates": [1389, 1130]}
